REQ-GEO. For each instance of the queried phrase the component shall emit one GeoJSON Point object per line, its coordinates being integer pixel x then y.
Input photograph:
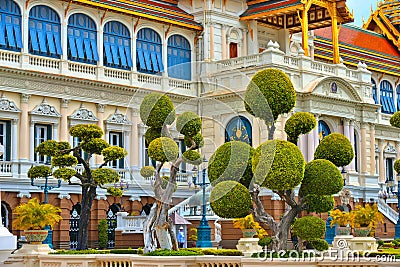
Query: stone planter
{"type": "Point", "coordinates": [249, 233]}
{"type": "Point", "coordinates": [362, 231]}
{"type": "Point", "coordinates": [35, 236]}
{"type": "Point", "coordinates": [343, 230]}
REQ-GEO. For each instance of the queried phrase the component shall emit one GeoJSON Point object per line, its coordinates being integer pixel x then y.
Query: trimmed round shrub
{"type": "Point", "coordinates": [299, 123]}
{"type": "Point", "coordinates": [231, 161]}
{"type": "Point", "coordinates": [197, 138]}
{"type": "Point", "coordinates": [163, 149]}
{"type": "Point", "coordinates": [265, 241]}
{"type": "Point", "coordinates": [269, 94]}
{"type": "Point", "coordinates": [157, 110]}
{"type": "Point", "coordinates": [397, 166]}
{"type": "Point", "coordinates": [319, 203]}
{"type": "Point", "coordinates": [64, 173]}
{"type": "Point", "coordinates": [86, 131]}
{"type": "Point", "coordinates": [113, 153]}
{"type": "Point", "coordinates": [63, 145]}
{"type": "Point", "coordinates": [64, 160]}
{"type": "Point", "coordinates": [336, 148]}
{"type": "Point", "coordinates": [278, 165]}
{"type": "Point", "coordinates": [105, 176]}
{"type": "Point", "coordinates": [153, 133]}
{"type": "Point", "coordinates": [321, 177]}
{"type": "Point", "coordinates": [395, 119]}
{"type": "Point", "coordinates": [319, 244]}
{"type": "Point", "coordinates": [192, 157]}
{"type": "Point", "coordinates": [115, 192]}
{"type": "Point", "coordinates": [309, 227]}
{"type": "Point", "coordinates": [189, 123]}
{"type": "Point", "coordinates": [94, 146]}
{"type": "Point", "coordinates": [48, 148]}
{"type": "Point", "coordinates": [147, 171]}
{"type": "Point", "coordinates": [39, 171]}
{"type": "Point", "coordinates": [230, 199]}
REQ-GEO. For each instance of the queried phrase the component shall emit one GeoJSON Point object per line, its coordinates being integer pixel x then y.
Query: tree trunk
{"type": "Point", "coordinates": [271, 131]}
{"type": "Point", "coordinates": [88, 194]}
{"type": "Point", "coordinates": [281, 235]}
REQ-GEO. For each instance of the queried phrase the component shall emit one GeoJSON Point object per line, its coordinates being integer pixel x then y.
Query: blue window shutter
{"type": "Point", "coordinates": [50, 42]}
{"type": "Point", "coordinates": [72, 48]}
{"type": "Point", "coordinates": [160, 63]}
{"type": "Point", "coordinates": [93, 44]}
{"type": "Point", "coordinates": [153, 56]}
{"type": "Point", "coordinates": [114, 51]}
{"type": "Point", "coordinates": [128, 55]}
{"type": "Point", "coordinates": [384, 103]}
{"type": "Point", "coordinates": [140, 56]}
{"type": "Point", "coordinates": [10, 35]}
{"type": "Point", "coordinates": [398, 102]}
{"type": "Point", "coordinates": [33, 39]}
{"type": "Point", "coordinates": [57, 39]}
{"type": "Point", "coordinates": [88, 49]}
{"type": "Point", "coordinates": [107, 51]}
{"type": "Point", "coordinates": [147, 59]}
{"type": "Point", "coordinates": [122, 55]}
{"type": "Point", "coordinates": [2, 34]}
{"type": "Point", "coordinates": [18, 35]}
{"type": "Point", "coordinates": [392, 106]}
{"type": "Point", "coordinates": [42, 41]}
{"type": "Point", "coordinates": [79, 47]}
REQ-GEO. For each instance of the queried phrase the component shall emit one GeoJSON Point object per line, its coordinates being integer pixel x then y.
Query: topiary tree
{"type": "Point", "coordinates": [336, 148]}
{"type": "Point", "coordinates": [158, 112]}
{"type": "Point", "coordinates": [276, 164]}
{"type": "Point", "coordinates": [309, 227]}
{"type": "Point", "coordinates": [64, 158]}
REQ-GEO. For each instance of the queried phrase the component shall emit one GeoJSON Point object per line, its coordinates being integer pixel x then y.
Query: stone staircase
{"type": "Point", "coordinates": [388, 211]}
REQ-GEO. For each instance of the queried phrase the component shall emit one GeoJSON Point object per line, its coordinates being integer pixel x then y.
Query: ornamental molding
{"type": "Point", "coordinates": [118, 118]}
{"type": "Point", "coordinates": [8, 105]}
{"type": "Point", "coordinates": [390, 149]}
{"type": "Point", "coordinates": [44, 109]}
{"type": "Point", "coordinates": [83, 114]}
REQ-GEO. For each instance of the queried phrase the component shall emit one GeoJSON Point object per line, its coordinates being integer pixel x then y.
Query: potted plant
{"type": "Point", "coordinates": [249, 227]}
{"type": "Point", "coordinates": [365, 219]}
{"type": "Point", "coordinates": [192, 237]}
{"type": "Point", "coordinates": [33, 217]}
{"type": "Point", "coordinates": [343, 220]}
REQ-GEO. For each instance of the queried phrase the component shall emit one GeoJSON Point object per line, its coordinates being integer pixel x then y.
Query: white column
{"type": "Point", "coordinates": [372, 148]}
{"type": "Point", "coordinates": [133, 149]}
{"type": "Point", "coordinates": [363, 148]}
{"type": "Point", "coordinates": [316, 133]}
{"type": "Point", "coordinates": [310, 146]}
{"type": "Point", "coordinates": [14, 140]}
{"type": "Point", "coordinates": [55, 132]}
{"type": "Point", "coordinates": [100, 45]}
{"type": "Point", "coordinates": [164, 51]}
{"type": "Point", "coordinates": [382, 176]}
{"type": "Point", "coordinates": [25, 29]}
{"type": "Point", "coordinates": [303, 146]}
{"type": "Point", "coordinates": [127, 145]}
{"type": "Point", "coordinates": [32, 141]}
{"type": "Point", "coordinates": [107, 136]}
{"type": "Point", "coordinates": [351, 129]}
{"type": "Point", "coordinates": [346, 128]}
{"type": "Point", "coordinates": [64, 39]}
{"type": "Point", "coordinates": [133, 46]}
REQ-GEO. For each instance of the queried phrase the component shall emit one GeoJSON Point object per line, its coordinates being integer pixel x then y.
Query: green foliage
{"type": "Point", "coordinates": [105, 176]}
{"type": "Point", "coordinates": [197, 138]}
{"type": "Point", "coordinates": [165, 181]}
{"type": "Point", "coordinates": [63, 145]}
{"type": "Point", "coordinates": [115, 192]}
{"type": "Point", "coordinates": [309, 227]}
{"type": "Point", "coordinates": [336, 148]}
{"type": "Point", "coordinates": [231, 161]}
{"type": "Point", "coordinates": [64, 173]}
{"type": "Point", "coordinates": [40, 171]}
{"type": "Point", "coordinates": [380, 243]}
{"type": "Point", "coordinates": [113, 153]}
{"type": "Point", "coordinates": [157, 110]}
{"type": "Point", "coordinates": [163, 149]}
{"type": "Point", "coordinates": [86, 131]}
{"type": "Point", "coordinates": [321, 177]}
{"type": "Point", "coordinates": [319, 244]}
{"type": "Point", "coordinates": [192, 157]}
{"type": "Point", "coordinates": [147, 171]}
{"type": "Point", "coordinates": [153, 133]}
{"type": "Point", "coordinates": [269, 94]}
{"type": "Point", "coordinates": [181, 252]}
{"type": "Point", "coordinates": [319, 203]}
{"type": "Point", "coordinates": [265, 241]}
{"type": "Point", "coordinates": [102, 228]}
{"type": "Point", "coordinates": [299, 123]}
{"type": "Point", "coordinates": [47, 148]}
{"type": "Point", "coordinates": [80, 252]}
{"type": "Point", "coordinates": [94, 146]}
{"type": "Point", "coordinates": [35, 215]}
{"type": "Point", "coordinates": [395, 119]}
{"type": "Point", "coordinates": [230, 199]}
{"type": "Point", "coordinates": [188, 124]}
{"type": "Point", "coordinates": [64, 160]}
{"type": "Point", "coordinates": [220, 252]}
{"type": "Point", "coordinates": [127, 251]}
{"type": "Point", "coordinates": [278, 165]}
{"type": "Point", "coordinates": [397, 166]}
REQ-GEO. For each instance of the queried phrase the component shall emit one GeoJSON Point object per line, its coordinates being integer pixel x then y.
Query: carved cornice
{"type": "Point", "coordinates": [8, 105]}
{"type": "Point", "coordinates": [44, 109]}
{"type": "Point", "coordinates": [83, 114]}
{"type": "Point", "coordinates": [118, 118]}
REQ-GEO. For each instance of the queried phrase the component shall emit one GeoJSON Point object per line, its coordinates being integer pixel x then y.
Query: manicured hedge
{"type": "Point", "coordinates": [299, 123]}
{"type": "Point", "coordinates": [395, 120]}
{"type": "Point", "coordinates": [319, 203]}
{"type": "Point", "coordinates": [188, 123]}
{"type": "Point", "coordinates": [163, 149]}
{"type": "Point", "coordinates": [309, 228]}
{"type": "Point", "coordinates": [156, 110]}
{"type": "Point", "coordinates": [336, 148]}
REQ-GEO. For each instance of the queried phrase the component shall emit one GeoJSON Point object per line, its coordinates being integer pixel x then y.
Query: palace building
{"type": "Point", "coordinates": [64, 63]}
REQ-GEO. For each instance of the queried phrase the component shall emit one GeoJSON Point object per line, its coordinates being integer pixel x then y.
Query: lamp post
{"type": "Point", "coordinates": [204, 230]}
{"type": "Point", "coordinates": [46, 188]}
{"type": "Point", "coordinates": [397, 227]}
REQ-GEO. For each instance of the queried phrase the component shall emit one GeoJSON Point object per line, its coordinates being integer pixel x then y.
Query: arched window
{"type": "Point", "coordinates": [323, 129]}
{"type": "Point", "coordinates": [387, 101]}
{"type": "Point", "coordinates": [82, 39]}
{"type": "Point", "coordinates": [398, 96]}
{"type": "Point", "coordinates": [374, 91]}
{"type": "Point", "coordinates": [149, 51]}
{"type": "Point", "coordinates": [117, 45]}
{"type": "Point", "coordinates": [179, 57]}
{"type": "Point", "coordinates": [239, 129]}
{"type": "Point", "coordinates": [44, 32]}
{"type": "Point", "coordinates": [10, 26]}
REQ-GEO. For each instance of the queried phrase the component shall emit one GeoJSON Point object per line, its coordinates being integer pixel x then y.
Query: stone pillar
{"type": "Point", "coordinates": [363, 151]}
{"type": "Point", "coordinates": [310, 146]}
{"type": "Point", "coordinates": [244, 41]}
{"type": "Point", "coordinates": [212, 41]}
{"type": "Point", "coordinates": [127, 146]}
{"type": "Point", "coordinates": [64, 39]}
{"type": "Point", "coordinates": [372, 147]}
{"type": "Point", "coordinates": [316, 134]}
{"type": "Point", "coordinates": [256, 132]}
{"type": "Point", "coordinates": [346, 128]}
{"type": "Point", "coordinates": [134, 149]}
{"type": "Point", "coordinates": [100, 123]}
{"type": "Point", "coordinates": [303, 146]}
{"type": "Point", "coordinates": [24, 128]}
{"type": "Point", "coordinates": [64, 120]}
{"type": "Point", "coordinates": [351, 132]}
{"type": "Point", "coordinates": [32, 144]}
{"type": "Point", "coordinates": [382, 177]}
{"type": "Point", "coordinates": [14, 140]}
{"type": "Point", "coordinates": [284, 118]}
{"type": "Point", "coordinates": [223, 41]}
{"type": "Point", "coordinates": [55, 132]}
{"type": "Point", "coordinates": [219, 136]}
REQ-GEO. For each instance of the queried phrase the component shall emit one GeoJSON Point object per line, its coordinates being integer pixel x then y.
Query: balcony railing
{"type": "Point", "coordinates": [6, 168]}
{"type": "Point", "coordinates": [130, 224]}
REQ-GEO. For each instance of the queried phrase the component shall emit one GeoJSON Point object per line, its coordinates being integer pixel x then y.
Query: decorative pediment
{"type": "Point", "coordinates": [8, 105]}
{"type": "Point", "coordinates": [333, 87]}
{"type": "Point", "coordinates": [83, 114]}
{"type": "Point", "coordinates": [118, 118]}
{"type": "Point", "coordinates": [390, 149]}
{"type": "Point", "coordinates": [44, 109]}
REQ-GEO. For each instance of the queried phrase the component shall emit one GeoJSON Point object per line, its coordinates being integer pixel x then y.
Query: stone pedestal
{"type": "Point", "coordinates": [363, 244]}
{"type": "Point", "coordinates": [33, 249]}
{"type": "Point", "coordinates": [342, 241]}
{"type": "Point", "coordinates": [248, 246]}
{"type": "Point", "coordinates": [8, 243]}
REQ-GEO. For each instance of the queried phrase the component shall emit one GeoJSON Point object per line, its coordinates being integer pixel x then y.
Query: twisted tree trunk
{"type": "Point", "coordinates": [88, 194]}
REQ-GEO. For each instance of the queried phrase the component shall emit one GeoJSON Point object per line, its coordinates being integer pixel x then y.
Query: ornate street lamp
{"type": "Point", "coordinates": [397, 227]}
{"type": "Point", "coordinates": [204, 230]}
